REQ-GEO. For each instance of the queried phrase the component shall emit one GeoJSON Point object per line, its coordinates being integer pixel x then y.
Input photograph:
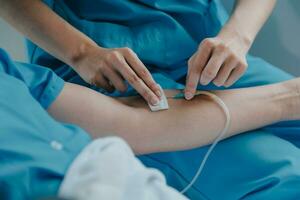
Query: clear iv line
{"type": "Point", "coordinates": [221, 103]}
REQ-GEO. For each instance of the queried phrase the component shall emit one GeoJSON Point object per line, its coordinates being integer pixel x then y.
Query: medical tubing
{"type": "Point", "coordinates": [221, 103]}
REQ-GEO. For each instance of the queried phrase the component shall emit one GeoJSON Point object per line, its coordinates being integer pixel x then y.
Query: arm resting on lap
{"type": "Point", "coordinates": [187, 124]}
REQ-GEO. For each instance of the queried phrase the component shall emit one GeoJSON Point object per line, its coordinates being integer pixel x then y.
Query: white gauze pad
{"type": "Point", "coordinates": [163, 103]}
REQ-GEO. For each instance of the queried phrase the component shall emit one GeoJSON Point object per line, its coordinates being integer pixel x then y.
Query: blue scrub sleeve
{"type": "Point", "coordinates": [35, 149]}
{"type": "Point", "coordinates": [43, 84]}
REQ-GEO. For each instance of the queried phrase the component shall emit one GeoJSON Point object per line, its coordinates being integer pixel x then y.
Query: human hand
{"type": "Point", "coordinates": [219, 60]}
{"type": "Point", "coordinates": [109, 68]}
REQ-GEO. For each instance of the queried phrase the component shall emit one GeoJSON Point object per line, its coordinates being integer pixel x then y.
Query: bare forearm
{"type": "Point", "coordinates": [44, 27]}
{"type": "Point", "coordinates": [247, 19]}
{"type": "Point", "coordinates": [187, 124]}
{"type": "Point", "coordinates": [190, 124]}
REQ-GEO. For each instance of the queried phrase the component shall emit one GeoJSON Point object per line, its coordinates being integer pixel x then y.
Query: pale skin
{"type": "Point", "coordinates": [186, 125]}
{"type": "Point", "coordinates": [220, 60]}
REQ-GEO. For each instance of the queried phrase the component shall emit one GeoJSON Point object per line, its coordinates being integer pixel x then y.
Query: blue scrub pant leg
{"type": "Point", "coordinates": [260, 164]}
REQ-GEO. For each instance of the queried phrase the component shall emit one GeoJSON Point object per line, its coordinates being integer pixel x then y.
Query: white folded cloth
{"type": "Point", "coordinates": [108, 169]}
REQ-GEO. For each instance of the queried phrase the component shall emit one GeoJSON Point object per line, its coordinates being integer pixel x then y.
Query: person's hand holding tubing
{"type": "Point", "coordinates": [222, 59]}
{"type": "Point", "coordinates": [105, 68]}
{"type": "Point", "coordinates": [218, 60]}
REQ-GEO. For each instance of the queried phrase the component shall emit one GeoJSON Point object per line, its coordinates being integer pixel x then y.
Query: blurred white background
{"type": "Point", "coordinates": [278, 42]}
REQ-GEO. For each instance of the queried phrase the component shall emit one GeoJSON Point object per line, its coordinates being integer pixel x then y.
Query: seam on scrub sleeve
{"type": "Point", "coordinates": [43, 84]}
{"type": "Point", "coordinates": [51, 91]}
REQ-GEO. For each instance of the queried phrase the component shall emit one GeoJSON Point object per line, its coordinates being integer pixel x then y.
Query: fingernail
{"type": "Point", "coordinates": [204, 81]}
{"type": "Point", "coordinates": [154, 101]}
{"type": "Point", "coordinates": [158, 93]}
{"type": "Point", "coordinates": [188, 95]}
{"type": "Point", "coordinates": [218, 84]}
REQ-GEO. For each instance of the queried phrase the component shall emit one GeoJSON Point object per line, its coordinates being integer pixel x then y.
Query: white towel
{"type": "Point", "coordinates": [108, 169]}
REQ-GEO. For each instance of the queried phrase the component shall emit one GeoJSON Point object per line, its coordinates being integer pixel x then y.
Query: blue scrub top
{"type": "Point", "coordinates": [164, 33]}
{"type": "Point", "coordinates": [35, 149]}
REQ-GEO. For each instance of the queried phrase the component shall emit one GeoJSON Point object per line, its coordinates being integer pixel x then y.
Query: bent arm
{"type": "Point", "coordinates": [44, 27]}
{"type": "Point", "coordinates": [187, 124]}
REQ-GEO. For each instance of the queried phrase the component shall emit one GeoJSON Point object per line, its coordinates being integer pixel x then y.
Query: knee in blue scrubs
{"type": "Point", "coordinates": [255, 165]}
{"type": "Point", "coordinates": [35, 150]}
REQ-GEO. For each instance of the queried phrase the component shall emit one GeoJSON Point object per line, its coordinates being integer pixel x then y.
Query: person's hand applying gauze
{"type": "Point", "coordinates": [220, 60]}
{"type": "Point", "coordinates": [109, 68]}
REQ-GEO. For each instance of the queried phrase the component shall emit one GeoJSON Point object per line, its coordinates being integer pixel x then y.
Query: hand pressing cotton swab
{"type": "Point", "coordinates": [162, 104]}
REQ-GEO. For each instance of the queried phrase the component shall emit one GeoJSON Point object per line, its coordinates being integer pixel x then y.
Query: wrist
{"type": "Point", "coordinates": [80, 52]}
{"type": "Point", "coordinates": [289, 99]}
{"type": "Point", "coordinates": [232, 34]}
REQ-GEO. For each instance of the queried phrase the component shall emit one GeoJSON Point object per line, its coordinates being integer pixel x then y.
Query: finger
{"type": "Point", "coordinates": [224, 72]}
{"type": "Point", "coordinates": [134, 80]}
{"type": "Point", "coordinates": [102, 82]}
{"type": "Point", "coordinates": [195, 67]}
{"type": "Point", "coordinates": [211, 69]}
{"type": "Point", "coordinates": [192, 81]}
{"type": "Point", "coordinates": [141, 70]}
{"type": "Point", "coordinates": [203, 54]}
{"type": "Point", "coordinates": [115, 78]}
{"type": "Point", "coordinates": [234, 76]}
